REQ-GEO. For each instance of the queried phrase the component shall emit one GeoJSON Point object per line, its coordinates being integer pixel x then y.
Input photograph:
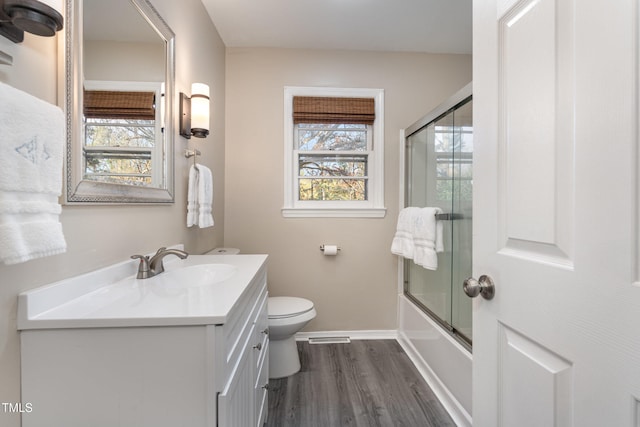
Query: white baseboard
{"type": "Point", "coordinates": [354, 335]}
{"type": "Point", "coordinates": [459, 415]}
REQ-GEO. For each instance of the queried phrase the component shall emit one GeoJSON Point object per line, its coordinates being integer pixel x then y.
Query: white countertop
{"type": "Point", "coordinates": [113, 297]}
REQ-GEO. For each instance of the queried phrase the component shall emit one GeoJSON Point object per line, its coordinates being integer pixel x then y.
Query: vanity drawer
{"type": "Point", "coordinates": [261, 335]}
{"type": "Point", "coordinates": [261, 386]}
{"type": "Point", "coordinates": [261, 331]}
{"type": "Point", "coordinates": [238, 329]}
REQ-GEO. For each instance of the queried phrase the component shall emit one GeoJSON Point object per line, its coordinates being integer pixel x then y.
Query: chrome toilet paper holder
{"type": "Point", "coordinates": [322, 248]}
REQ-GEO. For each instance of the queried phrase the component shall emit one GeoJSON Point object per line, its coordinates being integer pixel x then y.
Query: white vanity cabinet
{"type": "Point", "coordinates": [154, 370]}
{"type": "Point", "coordinates": [242, 402]}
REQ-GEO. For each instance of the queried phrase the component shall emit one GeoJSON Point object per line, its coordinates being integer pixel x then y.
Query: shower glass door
{"type": "Point", "coordinates": [439, 174]}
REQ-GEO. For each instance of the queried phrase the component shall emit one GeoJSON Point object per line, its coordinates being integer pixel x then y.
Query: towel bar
{"type": "Point", "coordinates": [448, 216]}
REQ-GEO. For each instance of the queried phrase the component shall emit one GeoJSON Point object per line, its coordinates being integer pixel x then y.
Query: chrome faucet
{"type": "Point", "coordinates": [154, 266]}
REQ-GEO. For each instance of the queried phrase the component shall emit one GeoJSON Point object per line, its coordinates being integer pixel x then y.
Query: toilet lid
{"type": "Point", "coordinates": [280, 307]}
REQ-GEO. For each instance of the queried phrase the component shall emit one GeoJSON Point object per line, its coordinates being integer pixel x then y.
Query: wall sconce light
{"type": "Point", "coordinates": [194, 112]}
{"type": "Point", "coordinates": [42, 18]}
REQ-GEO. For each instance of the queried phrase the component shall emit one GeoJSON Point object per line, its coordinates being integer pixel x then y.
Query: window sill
{"type": "Point", "coordinates": [334, 213]}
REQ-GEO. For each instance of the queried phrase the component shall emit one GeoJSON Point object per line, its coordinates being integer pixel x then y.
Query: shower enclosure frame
{"type": "Point", "coordinates": [443, 359]}
{"type": "Point", "coordinates": [441, 113]}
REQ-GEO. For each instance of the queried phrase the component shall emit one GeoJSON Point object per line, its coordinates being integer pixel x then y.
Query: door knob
{"type": "Point", "coordinates": [484, 286]}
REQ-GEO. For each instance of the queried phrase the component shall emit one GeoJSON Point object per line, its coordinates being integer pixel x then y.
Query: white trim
{"type": "Point", "coordinates": [333, 213]}
{"type": "Point", "coordinates": [121, 85]}
{"type": "Point", "coordinates": [372, 208]}
{"type": "Point", "coordinates": [383, 334]}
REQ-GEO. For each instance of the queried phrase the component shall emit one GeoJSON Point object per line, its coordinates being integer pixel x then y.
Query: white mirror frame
{"type": "Point", "coordinates": [78, 190]}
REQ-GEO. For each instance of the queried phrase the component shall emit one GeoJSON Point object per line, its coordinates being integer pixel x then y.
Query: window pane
{"type": "Point", "coordinates": [333, 189]}
{"type": "Point", "coordinates": [122, 167]}
{"type": "Point", "coordinates": [333, 137]}
{"type": "Point", "coordinates": [444, 189]}
{"type": "Point", "coordinates": [113, 133]}
{"type": "Point", "coordinates": [444, 169]}
{"type": "Point", "coordinates": [336, 166]}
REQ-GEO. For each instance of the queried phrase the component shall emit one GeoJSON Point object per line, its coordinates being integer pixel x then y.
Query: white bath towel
{"type": "Point", "coordinates": [31, 147]}
{"type": "Point", "coordinates": [200, 197]}
{"type": "Point", "coordinates": [403, 239]}
{"type": "Point", "coordinates": [192, 197]}
{"type": "Point", "coordinates": [427, 238]}
{"type": "Point", "coordinates": [205, 197]}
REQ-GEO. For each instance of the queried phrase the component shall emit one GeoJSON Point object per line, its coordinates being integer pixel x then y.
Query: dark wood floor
{"type": "Point", "coordinates": [364, 383]}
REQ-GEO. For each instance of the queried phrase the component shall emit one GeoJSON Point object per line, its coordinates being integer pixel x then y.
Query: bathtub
{"type": "Point", "coordinates": [443, 362]}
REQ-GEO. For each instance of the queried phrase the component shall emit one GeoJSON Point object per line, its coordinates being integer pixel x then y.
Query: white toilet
{"type": "Point", "coordinates": [287, 315]}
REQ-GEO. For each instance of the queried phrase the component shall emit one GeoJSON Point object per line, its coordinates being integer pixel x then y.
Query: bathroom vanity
{"type": "Point", "coordinates": [188, 347]}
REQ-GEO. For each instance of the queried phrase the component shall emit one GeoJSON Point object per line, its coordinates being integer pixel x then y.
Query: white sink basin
{"type": "Point", "coordinates": [200, 290]}
{"type": "Point", "coordinates": [193, 276]}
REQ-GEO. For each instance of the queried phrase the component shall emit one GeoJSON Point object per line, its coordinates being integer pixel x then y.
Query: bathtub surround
{"type": "Point", "coordinates": [31, 147]}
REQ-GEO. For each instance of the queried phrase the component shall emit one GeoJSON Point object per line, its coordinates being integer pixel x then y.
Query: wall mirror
{"type": "Point", "coordinates": [119, 61]}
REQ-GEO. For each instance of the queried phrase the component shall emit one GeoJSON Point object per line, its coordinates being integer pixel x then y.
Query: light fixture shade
{"type": "Point", "coordinates": [199, 110]}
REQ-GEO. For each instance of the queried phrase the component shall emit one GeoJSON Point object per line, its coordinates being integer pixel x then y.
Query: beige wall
{"type": "Point", "coordinates": [355, 290]}
{"type": "Point", "coordinates": [101, 235]}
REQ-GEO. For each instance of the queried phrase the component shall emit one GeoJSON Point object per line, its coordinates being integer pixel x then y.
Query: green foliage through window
{"type": "Point", "coordinates": [119, 150]}
{"type": "Point", "coordinates": [333, 161]}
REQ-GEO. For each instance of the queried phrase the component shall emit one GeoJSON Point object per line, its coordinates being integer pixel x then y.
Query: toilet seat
{"type": "Point", "coordinates": [285, 307]}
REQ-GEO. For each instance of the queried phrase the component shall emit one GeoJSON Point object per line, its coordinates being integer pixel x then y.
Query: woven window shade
{"type": "Point", "coordinates": [313, 109]}
{"type": "Point", "coordinates": [105, 104]}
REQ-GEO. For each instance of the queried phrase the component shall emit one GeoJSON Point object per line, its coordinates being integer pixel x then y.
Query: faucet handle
{"type": "Point", "coordinates": [143, 268]}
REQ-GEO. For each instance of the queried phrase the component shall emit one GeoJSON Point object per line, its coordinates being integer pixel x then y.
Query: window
{"type": "Point", "coordinates": [333, 152]}
{"type": "Point", "coordinates": [121, 127]}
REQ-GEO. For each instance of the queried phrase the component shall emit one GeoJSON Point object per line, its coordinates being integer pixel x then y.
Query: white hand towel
{"type": "Point", "coordinates": [31, 147]}
{"type": "Point", "coordinates": [427, 238]}
{"type": "Point", "coordinates": [403, 239]}
{"type": "Point", "coordinates": [205, 196]}
{"type": "Point", "coordinates": [192, 197]}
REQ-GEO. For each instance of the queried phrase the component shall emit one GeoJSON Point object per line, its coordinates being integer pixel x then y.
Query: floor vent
{"type": "Point", "coordinates": [329, 340]}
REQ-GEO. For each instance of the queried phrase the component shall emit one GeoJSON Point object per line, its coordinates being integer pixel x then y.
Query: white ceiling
{"type": "Point", "coordinates": [115, 20]}
{"type": "Point", "coordinates": [435, 26]}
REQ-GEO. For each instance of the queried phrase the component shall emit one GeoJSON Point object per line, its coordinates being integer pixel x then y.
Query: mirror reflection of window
{"type": "Point", "coordinates": [120, 135]}
{"type": "Point", "coordinates": [124, 68]}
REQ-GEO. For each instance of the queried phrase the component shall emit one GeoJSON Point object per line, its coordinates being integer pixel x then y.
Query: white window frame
{"type": "Point", "coordinates": [371, 208]}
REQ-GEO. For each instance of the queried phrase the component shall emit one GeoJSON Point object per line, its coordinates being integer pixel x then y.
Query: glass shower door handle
{"type": "Point", "coordinates": [484, 286]}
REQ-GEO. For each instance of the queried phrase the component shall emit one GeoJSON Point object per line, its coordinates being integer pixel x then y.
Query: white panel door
{"type": "Point", "coordinates": [556, 218]}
